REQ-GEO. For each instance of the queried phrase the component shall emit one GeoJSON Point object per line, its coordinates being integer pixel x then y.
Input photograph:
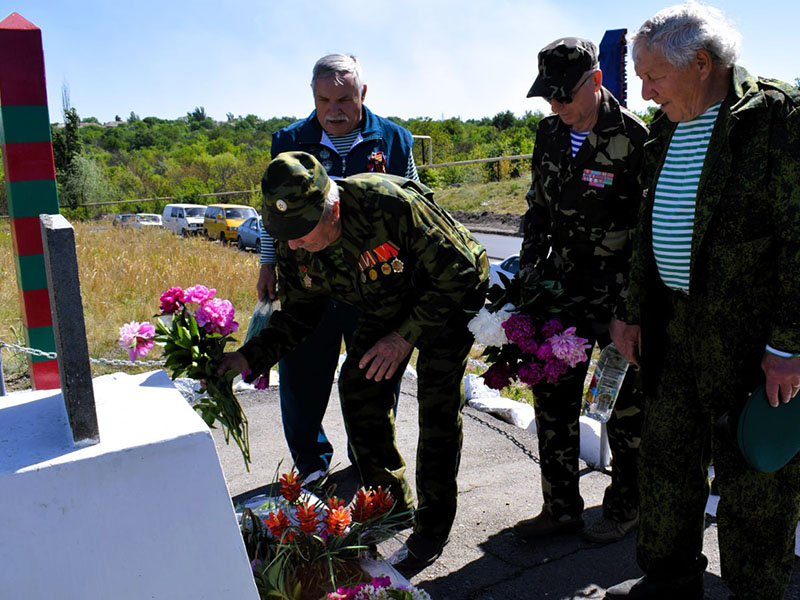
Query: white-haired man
{"type": "Point", "coordinates": [712, 308]}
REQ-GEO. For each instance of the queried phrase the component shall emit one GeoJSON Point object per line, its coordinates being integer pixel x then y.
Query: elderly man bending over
{"type": "Point", "coordinates": [381, 244]}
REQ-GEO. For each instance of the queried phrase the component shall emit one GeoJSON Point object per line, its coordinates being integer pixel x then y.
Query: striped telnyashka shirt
{"type": "Point", "coordinates": [576, 140]}
{"type": "Point", "coordinates": [676, 194]}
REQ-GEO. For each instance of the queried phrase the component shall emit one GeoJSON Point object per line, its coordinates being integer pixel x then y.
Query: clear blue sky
{"type": "Point", "coordinates": [433, 58]}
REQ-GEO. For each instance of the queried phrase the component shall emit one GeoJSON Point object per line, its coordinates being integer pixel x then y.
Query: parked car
{"type": "Point", "coordinates": [249, 234]}
{"type": "Point", "coordinates": [124, 220]}
{"type": "Point", "coordinates": [147, 220]}
{"type": "Point", "coordinates": [509, 267]}
{"type": "Point", "coordinates": [184, 219]}
{"type": "Point", "coordinates": [222, 221]}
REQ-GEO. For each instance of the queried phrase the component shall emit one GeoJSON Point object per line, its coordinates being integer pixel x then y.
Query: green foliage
{"type": "Point", "coordinates": [648, 115]}
{"type": "Point", "coordinates": [155, 158]}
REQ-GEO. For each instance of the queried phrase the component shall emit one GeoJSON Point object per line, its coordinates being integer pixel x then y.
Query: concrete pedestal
{"type": "Point", "coordinates": [143, 514]}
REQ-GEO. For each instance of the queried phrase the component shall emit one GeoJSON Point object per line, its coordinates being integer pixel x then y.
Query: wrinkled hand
{"type": "Point", "coordinates": [783, 377]}
{"type": "Point", "coordinates": [265, 287]}
{"type": "Point", "coordinates": [386, 355]}
{"type": "Point", "coordinates": [627, 339]}
{"type": "Point", "coordinates": [232, 360]}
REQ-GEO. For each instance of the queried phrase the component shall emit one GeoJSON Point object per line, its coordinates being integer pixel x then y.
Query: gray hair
{"type": "Point", "coordinates": [336, 66]}
{"type": "Point", "coordinates": [680, 31]}
{"type": "Point", "coordinates": [330, 201]}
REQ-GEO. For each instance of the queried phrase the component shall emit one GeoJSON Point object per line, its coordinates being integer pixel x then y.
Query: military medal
{"type": "Point", "coordinates": [373, 274]}
{"type": "Point", "coordinates": [397, 265]}
{"type": "Point", "coordinates": [363, 277]}
{"type": "Point", "coordinates": [376, 162]}
{"type": "Point", "coordinates": [306, 278]}
{"type": "Point", "coordinates": [386, 269]}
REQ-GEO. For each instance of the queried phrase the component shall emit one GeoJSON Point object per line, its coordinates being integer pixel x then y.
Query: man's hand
{"type": "Point", "coordinates": [232, 360]}
{"type": "Point", "coordinates": [783, 376]}
{"type": "Point", "coordinates": [265, 287]}
{"type": "Point", "coordinates": [386, 355]}
{"type": "Point", "coordinates": [627, 339]}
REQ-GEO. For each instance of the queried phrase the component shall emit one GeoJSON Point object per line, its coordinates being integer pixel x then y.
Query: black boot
{"type": "Point", "coordinates": [666, 586]}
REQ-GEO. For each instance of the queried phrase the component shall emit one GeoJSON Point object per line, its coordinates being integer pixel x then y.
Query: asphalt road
{"type": "Point", "coordinates": [499, 246]}
{"type": "Point", "coordinates": [499, 484]}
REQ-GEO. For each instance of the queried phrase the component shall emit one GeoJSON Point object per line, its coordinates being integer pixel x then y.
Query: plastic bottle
{"type": "Point", "coordinates": [606, 382]}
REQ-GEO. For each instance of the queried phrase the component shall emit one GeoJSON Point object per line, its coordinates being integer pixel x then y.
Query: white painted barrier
{"type": "Point", "coordinates": [143, 514]}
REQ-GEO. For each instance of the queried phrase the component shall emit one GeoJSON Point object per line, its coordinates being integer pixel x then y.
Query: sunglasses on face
{"type": "Point", "coordinates": [568, 99]}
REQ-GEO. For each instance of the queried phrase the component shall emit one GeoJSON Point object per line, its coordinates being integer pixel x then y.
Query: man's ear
{"type": "Point", "coordinates": [364, 92]}
{"type": "Point", "coordinates": [703, 63]}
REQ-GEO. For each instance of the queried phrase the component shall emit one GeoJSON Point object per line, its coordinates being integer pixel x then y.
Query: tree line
{"type": "Point", "coordinates": [192, 155]}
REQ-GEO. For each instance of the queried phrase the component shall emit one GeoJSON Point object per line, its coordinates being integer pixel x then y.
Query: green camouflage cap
{"type": "Point", "coordinates": [293, 188]}
{"type": "Point", "coordinates": [561, 65]}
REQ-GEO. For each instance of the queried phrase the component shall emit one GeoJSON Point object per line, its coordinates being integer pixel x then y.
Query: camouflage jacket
{"type": "Point", "coordinates": [585, 207]}
{"type": "Point", "coordinates": [745, 256]}
{"type": "Point", "coordinates": [401, 260]}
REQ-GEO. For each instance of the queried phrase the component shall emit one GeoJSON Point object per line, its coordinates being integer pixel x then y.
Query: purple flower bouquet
{"type": "Point", "coordinates": [523, 338]}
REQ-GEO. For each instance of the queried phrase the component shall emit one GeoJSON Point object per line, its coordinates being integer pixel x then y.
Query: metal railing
{"type": "Point", "coordinates": [474, 161]}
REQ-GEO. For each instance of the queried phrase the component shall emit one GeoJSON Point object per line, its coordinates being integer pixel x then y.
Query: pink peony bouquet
{"type": "Point", "coordinates": [524, 339]}
{"type": "Point", "coordinates": [194, 327]}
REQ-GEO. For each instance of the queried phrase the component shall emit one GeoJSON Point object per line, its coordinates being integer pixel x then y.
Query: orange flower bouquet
{"type": "Point", "coordinates": [302, 547]}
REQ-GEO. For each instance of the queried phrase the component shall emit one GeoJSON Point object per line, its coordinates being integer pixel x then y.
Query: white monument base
{"type": "Point", "coordinates": [143, 514]}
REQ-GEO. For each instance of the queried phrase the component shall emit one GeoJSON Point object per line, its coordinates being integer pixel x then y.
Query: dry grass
{"type": "Point", "coordinates": [122, 275]}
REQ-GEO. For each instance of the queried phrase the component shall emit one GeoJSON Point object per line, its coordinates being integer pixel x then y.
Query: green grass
{"type": "Point", "coordinates": [507, 196]}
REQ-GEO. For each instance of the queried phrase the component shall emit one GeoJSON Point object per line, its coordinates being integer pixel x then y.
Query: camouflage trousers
{"type": "Point", "coordinates": [369, 420]}
{"type": "Point", "coordinates": [558, 407]}
{"type": "Point", "coordinates": [757, 512]}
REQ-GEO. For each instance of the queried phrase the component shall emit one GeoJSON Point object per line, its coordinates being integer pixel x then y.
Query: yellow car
{"type": "Point", "coordinates": [222, 221]}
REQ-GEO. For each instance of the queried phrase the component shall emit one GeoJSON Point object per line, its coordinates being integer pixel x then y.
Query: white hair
{"type": "Point", "coordinates": [336, 66]}
{"type": "Point", "coordinates": [331, 200]}
{"type": "Point", "coordinates": [680, 31]}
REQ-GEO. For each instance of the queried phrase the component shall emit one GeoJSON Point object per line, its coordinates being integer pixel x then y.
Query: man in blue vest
{"type": "Point", "coordinates": [346, 138]}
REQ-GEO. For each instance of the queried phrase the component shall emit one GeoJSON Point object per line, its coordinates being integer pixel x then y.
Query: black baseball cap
{"type": "Point", "coordinates": [562, 63]}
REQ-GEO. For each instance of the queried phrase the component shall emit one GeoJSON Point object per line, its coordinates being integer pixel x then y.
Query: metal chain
{"type": "Point", "coordinates": [525, 450]}
{"type": "Point", "coordinates": [102, 361]}
{"type": "Point", "coordinates": [33, 351]}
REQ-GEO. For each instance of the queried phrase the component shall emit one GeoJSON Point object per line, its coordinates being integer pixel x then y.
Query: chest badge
{"type": "Point", "coordinates": [281, 205]}
{"type": "Point", "coordinates": [376, 163]}
{"type": "Point", "coordinates": [304, 276]}
{"type": "Point", "coordinates": [397, 265]}
{"type": "Point", "coordinates": [597, 178]}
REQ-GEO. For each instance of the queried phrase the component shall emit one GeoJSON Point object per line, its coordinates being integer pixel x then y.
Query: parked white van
{"type": "Point", "coordinates": [184, 219]}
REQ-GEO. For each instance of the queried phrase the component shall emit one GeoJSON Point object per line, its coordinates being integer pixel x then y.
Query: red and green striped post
{"type": "Point", "coordinates": [30, 182]}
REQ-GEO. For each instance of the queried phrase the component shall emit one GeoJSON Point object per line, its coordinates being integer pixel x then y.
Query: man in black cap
{"type": "Point", "coordinates": [381, 244]}
{"type": "Point", "coordinates": [582, 207]}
